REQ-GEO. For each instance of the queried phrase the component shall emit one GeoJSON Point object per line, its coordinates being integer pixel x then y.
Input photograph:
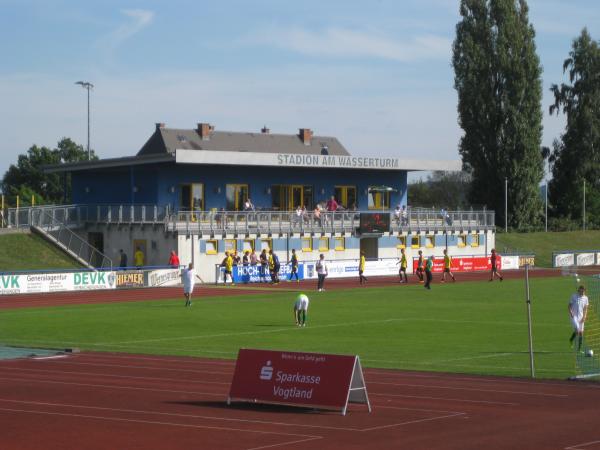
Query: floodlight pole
{"type": "Point", "coordinates": [528, 301]}
{"type": "Point", "coordinates": [87, 86]}
{"type": "Point", "coordinates": [506, 204]}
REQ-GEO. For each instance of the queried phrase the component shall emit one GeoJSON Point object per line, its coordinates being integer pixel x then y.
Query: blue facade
{"type": "Point", "coordinates": [160, 183]}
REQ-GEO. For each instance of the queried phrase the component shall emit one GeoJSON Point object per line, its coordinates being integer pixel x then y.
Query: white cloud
{"type": "Point", "coordinates": [345, 43]}
{"type": "Point", "coordinates": [138, 19]}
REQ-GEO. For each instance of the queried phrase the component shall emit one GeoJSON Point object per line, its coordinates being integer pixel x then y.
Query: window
{"type": "Point", "coordinates": [211, 247]}
{"type": "Point", "coordinates": [307, 244]}
{"type": "Point", "coordinates": [286, 197]}
{"type": "Point", "coordinates": [345, 196]}
{"type": "Point", "coordinates": [429, 241]}
{"type": "Point", "coordinates": [340, 243]}
{"type": "Point", "coordinates": [248, 244]}
{"type": "Point", "coordinates": [236, 195]}
{"type": "Point", "coordinates": [230, 245]}
{"type": "Point", "coordinates": [191, 197]}
{"type": "Point", "coordinates": [323, 244]}
{"type": "Point", "coordinates": [379, 200]}
{"type": "Point", "coordinates": [266, 244]}
{"type": "Point", "coordinates": [401, 242]}
{"type": "Point", "coordinates": [415, 242]}
{"type": "Point", "coordinates": [461, 240]}
{"type": "Point", "coordinates": [474, 240]}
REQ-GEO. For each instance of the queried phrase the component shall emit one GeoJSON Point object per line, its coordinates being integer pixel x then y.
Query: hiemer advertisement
{"type": "Point", "coordinates": [306, 379]}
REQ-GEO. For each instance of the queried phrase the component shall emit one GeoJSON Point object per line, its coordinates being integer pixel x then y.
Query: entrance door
{"type": "Point", "coordinates": [96, 240]}
{"type": "Point", "coordinates": [139, 244]}
{"type": "Point", "coordinates": [295, 197]}
{"type": "Point", "coordinates": [370, 247]}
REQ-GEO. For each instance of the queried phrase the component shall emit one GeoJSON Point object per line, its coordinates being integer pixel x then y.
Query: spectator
{"type": "Point", "coordinates": [122, 260]}
{"type": "Point", "coordinates": [138, 258]}
{"type": "Point", "coordinates": [248, 205]}
{"type": "Point", "coordinates": [332, 205]}
{"type": "Point", "coordinates": [404, 215]}
{"type": "Point", "coordinates": [317, 215]}
{"type": "Point", "coordinates": [173, 259]}
{"type": "Point", "coordinates": [398, 215]}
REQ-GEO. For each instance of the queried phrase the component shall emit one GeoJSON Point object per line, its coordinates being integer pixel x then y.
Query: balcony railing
{"type": "Point", "coordinates": [259, 222]}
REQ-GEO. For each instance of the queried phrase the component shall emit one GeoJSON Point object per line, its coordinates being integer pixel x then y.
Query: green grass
{"type": "Point", "coordinates": [22, 251]}
{"type": "Point", "coordinates": [464, 327]}
{"type": "Point", "coordinates": [543, 244]}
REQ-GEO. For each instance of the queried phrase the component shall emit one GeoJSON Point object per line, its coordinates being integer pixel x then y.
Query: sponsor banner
{"type": "Point", "coordinates": [164, 277]}
{"type": "Point", "coordinates": [254, 274]}
{"type": "Point", "coordinates": [526, 259]}
{"type": "Point", "coordinates": [585, 259]}
{"type": "Point", "coordinates": [509, 262]}
{"type": "Point", "coordinates": [564, 259]}
{"type": "Point", "coordinates": [598, 259]}
{"type": "Point", "coordinates": [303, 379]}
{"type": "Point", "coordinates": [349, 268]}
{"type": "Point", "coordinates": [462, 264]}
{"type": "Point", "coordinates": [36, 283]}
{"type": "Point", "coordinates": [12, 284]}
{"type": "Point", "coordinates": [129, 279]}
{"type": "Point", "coordinates": [89, 281]}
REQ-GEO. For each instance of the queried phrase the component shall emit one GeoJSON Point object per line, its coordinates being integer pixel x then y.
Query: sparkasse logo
{"type": "Point", "coordinates": [266, 373]}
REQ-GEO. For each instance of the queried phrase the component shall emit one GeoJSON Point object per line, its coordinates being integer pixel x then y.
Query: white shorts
{"type": "Point", "coordinates": [302, 306]}
{"type": "Point", "coordinates": [577, 324]}
{"type": "Point", "coordinates": [188, 289]}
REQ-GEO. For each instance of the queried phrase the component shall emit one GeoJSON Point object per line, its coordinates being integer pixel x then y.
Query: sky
{"type": "Point", "coordinates": [377, 75]}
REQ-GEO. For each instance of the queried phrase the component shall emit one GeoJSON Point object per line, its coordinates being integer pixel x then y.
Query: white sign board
{"type": "Point", "coordinates": [509, 262]}
{"type": "Point", "coordinates": [164, 277]}
{"type": "Point", "coordinates": [564, 260]}
{"type": "Point", "coordinates": [585, 259]}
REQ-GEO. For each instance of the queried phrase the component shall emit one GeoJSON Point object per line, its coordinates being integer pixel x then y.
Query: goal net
{"type": "Point", "coordinates": [587, 359]}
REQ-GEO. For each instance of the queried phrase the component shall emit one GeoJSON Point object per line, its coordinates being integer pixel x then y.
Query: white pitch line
{"type": "Point", "coordinates": [167, 369]}
{"type": "Point", "coordinates": [494, 391]}
{"type": "Point", "coordinates": [187, 416]}
{"type": "Point", "coordinates": [101, 374]}
{"type": "Point", "coordinates": [462, 400]}
{"type": "Point", "coordinates": [286, 443]}
{"type": "Point", "coordinates": [581, 446]}
{"type": "Point", "coordinates": [410, 422]}
{"type": "Point", "coordinates": [153, 422]}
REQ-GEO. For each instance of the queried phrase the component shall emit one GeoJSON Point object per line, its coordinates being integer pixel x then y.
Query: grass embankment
{"type": "Point", "coordinates": [457, 327]}
{"type": "Point", "coordinates": [22, 251]}
{"type": "Point", "coordinates": [543, 244]}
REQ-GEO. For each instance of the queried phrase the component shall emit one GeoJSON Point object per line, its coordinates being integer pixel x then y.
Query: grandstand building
{"type": "Point", "coordinates": [188, 189]}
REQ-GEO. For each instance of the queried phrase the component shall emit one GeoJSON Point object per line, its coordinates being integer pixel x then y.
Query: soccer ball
{"type": "Point", "coordinates": [589, 353]}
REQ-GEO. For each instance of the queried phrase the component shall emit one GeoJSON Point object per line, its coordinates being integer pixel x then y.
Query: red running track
{"type": "Point", "coordinates": [117, 401]}
{"type": "Point", "coordinates": [108, 296]}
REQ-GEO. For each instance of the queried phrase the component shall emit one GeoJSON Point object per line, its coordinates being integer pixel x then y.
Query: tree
{"type": "Point", "coordinates": [27, 177]}
{"type": "Point", "coordinates": [441, 189]}
{"type": "Point", "coordinates": [498, 81]}
{"type": "Point", "coordinates": [576, 155]}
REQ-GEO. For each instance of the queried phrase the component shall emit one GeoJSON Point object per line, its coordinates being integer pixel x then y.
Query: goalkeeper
{"type": "Point", "coordinates": [578, 307]}
{"type": "Point", "coordinates": [301, 310]}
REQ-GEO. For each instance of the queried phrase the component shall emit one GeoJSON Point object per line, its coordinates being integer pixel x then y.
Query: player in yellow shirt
{"type": "Point", "coordinates": [138, 258]}
{"type": "Point", "coordinates": [228, 263]}
{"type": "Point", "coordinates": [403, 264]}
{"type": "Point", "coordinates": [447, 267]}
{"type": "Point", "coordinates": [361, 268]}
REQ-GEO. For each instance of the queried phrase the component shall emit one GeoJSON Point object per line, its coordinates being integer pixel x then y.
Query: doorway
{"type": "Point", "coordinates": [96, 240]}
{"type": "Point", "coordinates": [370, 247]}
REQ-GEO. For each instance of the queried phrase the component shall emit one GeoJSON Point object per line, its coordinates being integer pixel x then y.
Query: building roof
{"type": "Point", "coordinates": [167, 140]}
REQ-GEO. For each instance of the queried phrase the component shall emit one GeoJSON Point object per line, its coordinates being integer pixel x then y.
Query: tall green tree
{"type": "Point", "coordinates": [576, 155]}
{"type": "Point", "coordinates": [498, 80]}
{"type": "Point", "coordinates": [26, 178]}
{"type": "Point", "coordinates": [440, 190]}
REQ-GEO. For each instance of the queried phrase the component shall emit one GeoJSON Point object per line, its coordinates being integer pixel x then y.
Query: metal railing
{"type": "Point", "coordinates": [45, 223]}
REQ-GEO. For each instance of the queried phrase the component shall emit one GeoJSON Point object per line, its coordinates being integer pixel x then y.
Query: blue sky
{"type": "Point", "coordinates": [376, 74]}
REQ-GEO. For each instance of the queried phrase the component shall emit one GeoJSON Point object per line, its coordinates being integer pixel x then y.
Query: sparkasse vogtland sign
{"type": "Point", "coordinates": [301, 379]}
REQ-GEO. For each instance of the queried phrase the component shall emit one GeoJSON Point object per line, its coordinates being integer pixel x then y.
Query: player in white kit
{"type": "Point", "coordinates": [188, 283]}
{"type": "Point", "coordinates": [301, 310]}
{"type": "Point", "coordinates": [578, 308]}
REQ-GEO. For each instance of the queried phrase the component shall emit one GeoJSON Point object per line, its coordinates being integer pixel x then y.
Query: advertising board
{"type": "Point", "coordinates": [164, 277]}
{"type": "Point", "coordinates": [302, 379]}
{"type": "Point", "coordinates": [55, 282]}
{"type": "Point", "coordinates": [254, 274]}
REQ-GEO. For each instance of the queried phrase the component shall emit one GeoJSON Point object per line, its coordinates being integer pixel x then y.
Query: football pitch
{"type": "Point", "coordinates": [470, 327]}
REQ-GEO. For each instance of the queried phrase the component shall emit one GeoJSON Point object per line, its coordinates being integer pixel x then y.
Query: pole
{"type": "Point", "coordinates": [88, 117]}
{"type": "Point", "coordinates": [505, 204]}
{"type": "Point", "coordinates": [546, 194]}
{"type": "Point", "coordinates": [584, 204]}
{"type": "Point", "coordinates": [528, 300]}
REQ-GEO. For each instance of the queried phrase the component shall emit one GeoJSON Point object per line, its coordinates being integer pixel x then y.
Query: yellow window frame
{"type": "Point", "coordinates": [429, 241]}
{"type": "Point", "coordinates": [267, 241]}
{"type": "Point", "coordinates": [461, 240]}
{"type": "Point", "coordinates": [474, 240]}
{"type": "Point", "coordinates": [323, 244]}
{"type": "Point", "coordinates": [307, 244]}
{"type": "Point", "coordinates": [250, 244]}
{"type": "Point", "coordinates": [415, 241]}
{"type": "Point", "coordinates": [211, 243]}
{"type": "Point", "coordinates": [339, 243]}
{"type": "Point", "coordinates": [401, 242]}
{"type": "Point", "coordinates": [230, 245]}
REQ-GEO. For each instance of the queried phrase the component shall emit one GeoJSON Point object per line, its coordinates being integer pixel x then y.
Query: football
{"type": "Point", "coordinates": [589, 353]}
